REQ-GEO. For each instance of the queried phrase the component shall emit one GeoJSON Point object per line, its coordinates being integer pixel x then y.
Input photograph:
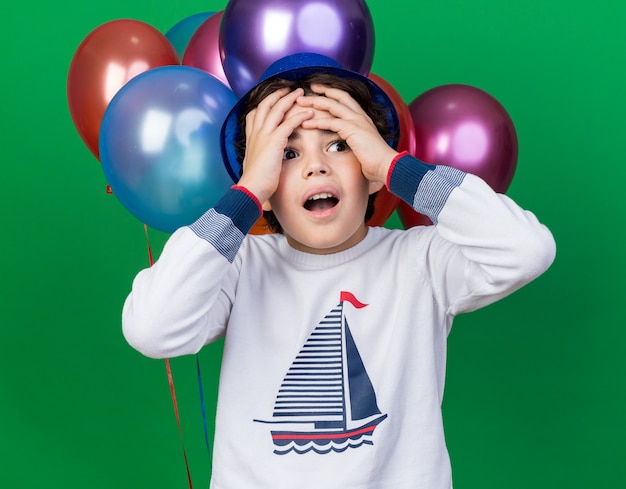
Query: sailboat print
{"type": "Point", "coordinates": [326, 401]}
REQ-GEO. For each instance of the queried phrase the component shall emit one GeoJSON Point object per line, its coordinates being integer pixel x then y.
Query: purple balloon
{"type": "Point", "coordinates": [203, 50]}
{"type": "Point", "coordinates": [466, 128]}
{"type": "Point", "coordinates": [255, 33]}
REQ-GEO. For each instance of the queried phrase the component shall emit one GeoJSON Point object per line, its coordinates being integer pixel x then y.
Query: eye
{"type": "Point", "coordinates": [339, 146]}
{"type": "Point", "coordinates": [289, 154]}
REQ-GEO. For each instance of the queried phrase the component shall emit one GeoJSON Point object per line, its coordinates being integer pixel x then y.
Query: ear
{"type": "Point", "coordinates": [375, 187]}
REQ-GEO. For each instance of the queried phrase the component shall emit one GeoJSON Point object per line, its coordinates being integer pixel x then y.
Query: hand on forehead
{"type": "Point", "coordinates": [326, 103]}
{"type": "Point", "coordinates": [330, 97]}
{"type": "Point", "coordinates": [297, 108]}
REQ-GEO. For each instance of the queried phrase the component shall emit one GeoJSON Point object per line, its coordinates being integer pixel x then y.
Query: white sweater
{"type": "Point", "coordinates": [334, 365]}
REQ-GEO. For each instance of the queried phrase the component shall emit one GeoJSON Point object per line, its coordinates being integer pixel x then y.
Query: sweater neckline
{"type": "Point", "coordinates": [311, 261]}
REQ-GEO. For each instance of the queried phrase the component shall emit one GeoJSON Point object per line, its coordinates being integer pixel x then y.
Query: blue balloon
{"type": "Point", "coordinates": [181, 33]}
{"type": "Point", "coordinates": [160, 148]}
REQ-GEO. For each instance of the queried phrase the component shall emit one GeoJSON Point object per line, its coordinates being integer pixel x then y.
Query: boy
{"type": "Point", "coordinates": [335, 333]}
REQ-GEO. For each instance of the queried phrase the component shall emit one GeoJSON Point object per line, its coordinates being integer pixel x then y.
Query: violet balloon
{"type": "Point", "coordinates": [203, 50]}
{"type": "Point", "coordinates": [255, 33]}
{"type": "Point", "coordinates": [159, 145]}
{"type": "Point", "coordinates": [466, 128]}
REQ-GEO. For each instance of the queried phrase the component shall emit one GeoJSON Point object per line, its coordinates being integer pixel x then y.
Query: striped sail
{"type": "Point", "coordinates": [313, 389]}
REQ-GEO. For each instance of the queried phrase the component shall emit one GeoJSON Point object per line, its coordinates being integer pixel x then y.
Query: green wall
{"type": "Point", "coordinates": [536, 389]}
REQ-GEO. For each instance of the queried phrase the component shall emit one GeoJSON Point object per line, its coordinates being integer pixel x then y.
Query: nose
{"type": "Point", "coordinates": [316, 165]}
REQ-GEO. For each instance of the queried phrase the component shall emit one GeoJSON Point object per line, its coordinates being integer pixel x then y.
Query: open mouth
{"type": "Point", "coordinates": [321, 202]}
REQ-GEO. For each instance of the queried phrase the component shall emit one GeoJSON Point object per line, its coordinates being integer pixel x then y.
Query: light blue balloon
{"type": "Point", "coordinates": [160, 148]}
{"type": "Point", "coordinates": [181, 33]}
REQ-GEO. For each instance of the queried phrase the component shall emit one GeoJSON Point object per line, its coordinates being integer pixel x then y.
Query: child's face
{"type": "Point", "coordinates": [322, 194]}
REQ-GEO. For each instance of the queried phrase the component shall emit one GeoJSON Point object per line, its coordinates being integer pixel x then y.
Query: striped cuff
{"type": "Point", "coordinates": [405, 175]}
{"type": "Point", "coordinates": [425, 187]}
{"type": "Point", "coordinates": [226, 225]}
{"type": "Point", "coordinates": [434, 190]}
{"type": "Point", "coordinates": [241, 206]}
{"type": "Point", "coordinates": [249, 194]}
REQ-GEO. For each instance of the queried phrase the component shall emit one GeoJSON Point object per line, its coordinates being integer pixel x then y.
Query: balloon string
{"type": "Point", "coordinates": [145, 229]}
{"type": "Point", "coordinates": [203, 410]}
{"type": "Point", "coordinates": [180, 430]}
{"type": "Point", "coordinates": [170, 379]}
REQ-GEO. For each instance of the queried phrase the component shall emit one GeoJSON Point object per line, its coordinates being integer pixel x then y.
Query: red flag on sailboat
{"type": "Point", "coordinates": [349, 296]}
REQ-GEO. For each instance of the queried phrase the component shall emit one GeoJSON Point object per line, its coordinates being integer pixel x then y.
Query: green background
{"type": "Point", "coordinates": [536, 385]}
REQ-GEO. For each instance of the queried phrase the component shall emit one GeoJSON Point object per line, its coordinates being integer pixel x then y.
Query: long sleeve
{"type": "Point", "coordinates": [489, 246]}
{"type": "Point", "coordinates": [183, 301]}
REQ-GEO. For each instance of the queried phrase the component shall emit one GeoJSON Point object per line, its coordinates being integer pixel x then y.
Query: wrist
{"type": "Point", "coordinates": [253, 188]}
{"type": "Point", "coordinates": [391, 165]}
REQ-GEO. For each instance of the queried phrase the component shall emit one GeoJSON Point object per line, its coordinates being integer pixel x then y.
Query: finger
{"type": "Point", "coordinates": [272, 113]}
{"type": "Point", "coordinates": [329, 108]}
{"type": "Point", "coordinates": [335, 108]}
{"type": "Point", "coordinates": [260, 118]}
{"type": "Point", "coordinates": [259, 113]}
{"type": "Point", "coordinates": [250, 117]}
{"type": "Point", "coordinates": [333, 124]}
{"type": "Point", "coordinates": [339, 118]}
{"type": "Point", "coordinates": [294, 120]}
{"type": "Point", "coordinates": [336, 94]}
{"type": "Point", "coordinates": [269, 101]}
